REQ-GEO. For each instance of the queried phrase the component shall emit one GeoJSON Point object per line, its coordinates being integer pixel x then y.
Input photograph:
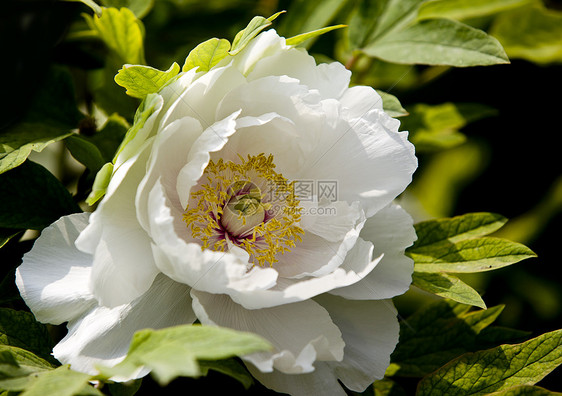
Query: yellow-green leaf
{"type": "Point", "coordinates": [207, 54]}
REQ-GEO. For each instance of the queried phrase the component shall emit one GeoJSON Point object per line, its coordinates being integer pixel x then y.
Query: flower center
{"type": "Point", "coordinates": [246, 204]}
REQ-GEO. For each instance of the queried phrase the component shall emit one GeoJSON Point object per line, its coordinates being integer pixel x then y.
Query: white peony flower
{"type": "Point", "coordinates": [203, 220]}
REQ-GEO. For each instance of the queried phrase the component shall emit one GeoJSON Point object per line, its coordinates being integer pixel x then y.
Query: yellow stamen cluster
{"type": "Point", "coordinates": [220, 185]}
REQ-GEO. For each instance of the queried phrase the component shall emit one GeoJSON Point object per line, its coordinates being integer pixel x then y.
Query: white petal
{"type": "Point", "coordinates": [359, 100]}
{"type": "Point", "coordinates": [298, 343]}
{"type": "Point", "coordinates": [391, 231]}
{"type": "Point", "coordinates": [212, 139]}
{"type": "Point", "coordinates": [368, 158]}
{"type": "Point", "coordinates": [123, 266]}
{"type": "Point", "coordinates": [102, 335]}
{"type": "Point", "coordinates": [264, 45]}
{"type": "Point", "coordinates": [322, 381]}
{"type": "Point", "coordinates": [54, 277]}
{"type": "Point", "coordinates": [331, 221]}
{"type": "Point", "coordinates": [370, 331]}
{"type": "Point", "coordinates": [201, 99]}
{"type": "Point", "coordinates": [169, 155]}
{"type": "Point", "coordinates": [215, 272]}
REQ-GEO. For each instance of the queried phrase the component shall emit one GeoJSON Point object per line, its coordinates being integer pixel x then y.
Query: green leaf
{"type": "Point", "coordinates": [20, 329]}
{"type": "Point", "coordinates": [438, 42]}
{"type": "Point", "coordinates": [256, 25]}
{"type": "Point", "coordinates": [532, 33]}
{"type": "Point", "coordinates": [456, 229]}
{"type": "Point", "coordinates": [372, 20]}
{"type": "Point", "coordinates": [17, 366]}
{"type": "Point", "coordinates": [6, 234]}
{"type": "Point", "coordinates": [61, 382]}
{"type": "Point", "coordinates": [436, 127]}
{"type": "Point", "coordinates": [230, 367]}
{"type": "Point", "coordinates": [143, 80]}
{"type": "Point", "coordinates": [496, 369]}
{"type": "Point", "coordinates": [85, 152]}
{"type": "Point", "coordinates": [526, 390]}
{"type": "Point", "coordinates": [43, 123]}
{"type": "Point", "coordinates": [207, 54]}
{"type": "Point", "coordinates": [473, 255]}
{"type": "Point", "coordinates": [103, 177]}
{"type": "Point", "coordinates": [121, 32]}
{"type": "Point", "coordinates": [31, 197]}
{"type": "Point", "coordinates": [391, 105]}
{"type": "Point", "coordinates": [436, 334]}
{"type": "Point", "coordinates": [305, 16]}
{"type": "Point", "coordinates": [174, 351]}
{"type": "Point", "coordinates": [465, 9]}
{"type": "Point", "coordinates": [124, 388]}
{"type": "Point", "coordinates": [301, 38]}
{"type": "Point", "coordinates": [447, 286]}
{"type": "Point", "coordinates": [139, 7]}
{"type": "Point", "coordinates": [387, 387]}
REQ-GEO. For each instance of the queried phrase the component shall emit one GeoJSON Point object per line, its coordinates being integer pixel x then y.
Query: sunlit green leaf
{"type": "Point", "coordinates": [305, 16]}
{"type": "Point", "coordinates": [101, 182]}
{"type": "Point", "coordinates": [472, 255]}
{"type": "Point", "coordinates": [532, 33]}
{"type": "Point", "coordinates": [496, 369]}
{"type": "Point", "coordinates": [525, 390]}
{"type": "Point", "coordinates": [143, 80]}
{"type": "Point", "coordinates": [174, 351]}
{"type": "Point", "coordinates": [61, 382]}
{"type": "Point", "coordinates": [391, 105]}
{"type": "Point", "coordinates": [31, 197]}
{"type": "Point", "coordinates": [301, 38]}
{"type": "Point", "coordinates": [139, 7]}
{"type": "Point", "coordinates": [437, 333]}
{"type": "Point", "coordinates": [17, 366]}
{"type": "Point", "coordinates": [387, 387]}
{"type": "Point", "coordinates": [458, 228]}
{"type": "Point", "coordinates": [121, 32]}
{"type": "Point", "coordinates": [438, 42]}
{"type": "Point", "coordinates": [256, 25]}
{"type": "Point", "coordinates": [207, 54]}
{"type": "Point", "coordinates": [447, 286]}
{"type": "Point", "coordinates": [464, 9]}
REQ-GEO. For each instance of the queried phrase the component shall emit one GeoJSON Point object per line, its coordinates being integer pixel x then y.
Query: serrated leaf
{"type": "Point", "coordinates": [121, 32]}
{"type": "Point", "coordinates": [456, 229]}
{"type": "Point", "coordinates": [20, 329]}
{"type": "Point", "coordinates": [61, 382]}
{"type": "Point", "coordinates": [44, 123]}
{"type": "Point", "coordinates": [436, 334]}
{"type": "Point", "coordinates": [464, 9]}
{"type": "Point", "coordinates": [438, 42]}
{"type": "Point", "coordinates": [472, 255]}
{"type": "Point", "coordinates": [256, 25]}
{"type": "Point", "coordinates": [207, 54]}
{"type": "Point", "coordinates": [174, 351]}
{"type": "Point", "coordinates": [301, 38]}
{"type": "Point", "coordinates": [447, 286]}
{"type": "Point", "coordinates": [496, 369]}
{"type": "Point", "coordinates": [532, 33]}
{"type": "Point", "coordinates": [391, 105]}
{"type": "Point", "coordinates": [143, 80]}
{"type": "Point", "coordinates": [31, 197]}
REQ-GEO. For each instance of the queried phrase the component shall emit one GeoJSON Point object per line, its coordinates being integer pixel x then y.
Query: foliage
{"type": "Point", "coordinates": [98, 93]}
